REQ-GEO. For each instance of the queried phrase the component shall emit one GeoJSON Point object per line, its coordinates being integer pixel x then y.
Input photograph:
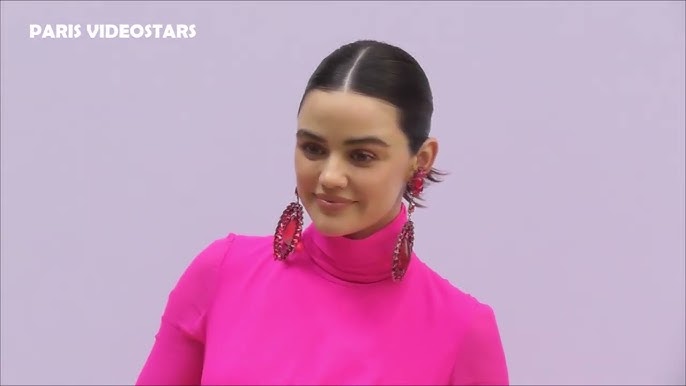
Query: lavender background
{"type": "Point", "coordinates": [561, 123]}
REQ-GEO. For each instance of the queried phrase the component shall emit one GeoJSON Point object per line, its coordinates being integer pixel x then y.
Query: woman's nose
{"type": "Point", "coordinates": [333, 176]}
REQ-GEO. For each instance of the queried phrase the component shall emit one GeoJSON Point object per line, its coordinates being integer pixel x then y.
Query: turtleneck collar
{"type": "Point", "coordinates": [366, 260]}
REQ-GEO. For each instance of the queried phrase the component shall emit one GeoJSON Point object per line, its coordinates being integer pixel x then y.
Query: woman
{"type": "Point", "coordinates": [344, 301]}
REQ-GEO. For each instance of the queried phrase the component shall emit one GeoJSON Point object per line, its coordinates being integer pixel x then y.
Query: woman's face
{"type": "Point", "coordinates": [352, 162]}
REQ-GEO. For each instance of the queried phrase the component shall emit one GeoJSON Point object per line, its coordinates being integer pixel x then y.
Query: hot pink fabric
{"type": "Point", "coordinates": [329, 315]}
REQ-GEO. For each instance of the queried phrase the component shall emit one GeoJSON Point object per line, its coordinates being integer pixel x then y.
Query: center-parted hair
{"type": "Point", "coordinates": [386, 72]}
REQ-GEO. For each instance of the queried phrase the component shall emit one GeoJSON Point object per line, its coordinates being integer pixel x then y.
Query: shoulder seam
{"type": "Point", "coordinates": [230, 239]}
{"type": "Point", "coordinates": [229, 242]}
{"type": "Point", "coordinates": [474, 309]}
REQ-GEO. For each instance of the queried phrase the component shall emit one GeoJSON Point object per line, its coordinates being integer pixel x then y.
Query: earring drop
{"type": "Point", "coordinates": [405, 244]}
{"type": "Point", "coordinates": [288, 230]}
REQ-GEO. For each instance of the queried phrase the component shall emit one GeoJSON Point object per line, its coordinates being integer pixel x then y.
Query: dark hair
{"type": "Point", "coordinates": [386, 72]}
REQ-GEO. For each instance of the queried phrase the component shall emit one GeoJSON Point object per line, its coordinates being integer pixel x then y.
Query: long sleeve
{"type": "Point", "coordinates": [482, 359]}
{"type": "Point", "coordinates": [177, 354]}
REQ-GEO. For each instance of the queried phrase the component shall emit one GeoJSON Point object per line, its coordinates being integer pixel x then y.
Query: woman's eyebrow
{"type": "Point", "coordinates": [368, 140]}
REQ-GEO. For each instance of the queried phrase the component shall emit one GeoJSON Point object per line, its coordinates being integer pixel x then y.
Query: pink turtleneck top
{"type": "Point", "coordinates": [330, 314]}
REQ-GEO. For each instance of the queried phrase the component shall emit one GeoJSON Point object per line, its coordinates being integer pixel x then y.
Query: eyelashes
{"type": "Point", "coordinates": [362, 157]}
{"type": "Point", "coordinates": [316, 151]}
{"type": "Point", "coordinates": [312, 149]}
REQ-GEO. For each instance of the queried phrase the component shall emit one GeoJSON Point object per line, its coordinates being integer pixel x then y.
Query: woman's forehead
{"type": "Point", "coordinates": [342, 114]}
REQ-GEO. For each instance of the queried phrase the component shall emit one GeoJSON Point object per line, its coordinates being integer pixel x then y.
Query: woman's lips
{"type": "Point", "coordinates": [332, 204]}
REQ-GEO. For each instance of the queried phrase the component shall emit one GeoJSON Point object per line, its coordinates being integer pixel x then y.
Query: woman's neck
{"type": "Point", "coordinates": [363, 257]}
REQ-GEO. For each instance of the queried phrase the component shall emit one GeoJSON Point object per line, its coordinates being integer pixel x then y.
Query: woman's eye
{"type": "Point", "coordinates": [312, 149]}
{"type": "Point", "coordinates": [362, 157]}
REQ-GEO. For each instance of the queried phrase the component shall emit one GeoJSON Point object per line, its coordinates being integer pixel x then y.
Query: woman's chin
{"type": "Point", "coordinates": [333, 227]}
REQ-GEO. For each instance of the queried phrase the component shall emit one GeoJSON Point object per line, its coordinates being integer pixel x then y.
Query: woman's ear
{"type": "Point", "coordinates": [426, 156]}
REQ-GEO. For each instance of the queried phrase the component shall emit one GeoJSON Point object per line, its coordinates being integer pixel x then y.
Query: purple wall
{"type": "Point", "coordinates": [562, 125]}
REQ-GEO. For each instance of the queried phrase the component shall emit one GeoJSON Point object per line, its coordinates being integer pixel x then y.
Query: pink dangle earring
{"type": "Point", "coordinates": [289, 230]}
{"type": "Point", "coordinates": [404, 246]}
